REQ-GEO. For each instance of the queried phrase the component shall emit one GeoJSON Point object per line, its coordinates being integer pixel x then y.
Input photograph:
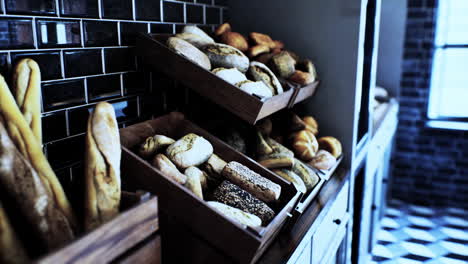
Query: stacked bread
{"type": "Point", "coordinates": [232, 189]}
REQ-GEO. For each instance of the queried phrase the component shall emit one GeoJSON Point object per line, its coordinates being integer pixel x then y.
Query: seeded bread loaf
{"type": "Point", "coordinates": [236, 214]}
{"type": "Point", "coordinates": [234, 196]}
{"type": "Point", "coordinates": [222, 55]}
{"type": "Point", "coordinates": [190, 150]}
{"type": "Point", "coordinates": [254, 183]}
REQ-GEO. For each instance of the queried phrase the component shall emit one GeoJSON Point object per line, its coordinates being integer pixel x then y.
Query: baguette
{"type": "Point", "coordinates": [254, 183]}
{"type": "Point", "coordinates": [11, 250]}
{"type": "Point", "coordinates": [308, 176]}
{"type": "Point", "coordinates": [27, 144]}
{"type": "Point", "coordinates": [162, 163]}
{"type": "Point", "coordinates": [194, 180]}
{"type": "Point", "coordinates": [21, 182]}
{"type": "Point", "coordinates": [27, 91]}
{"type": "Point", "coordinates": [276, 160]}
{"type": "Point", "coordinates": [102, 167]}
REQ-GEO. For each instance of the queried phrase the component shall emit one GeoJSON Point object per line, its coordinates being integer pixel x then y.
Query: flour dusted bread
{"type": "Point", "coordinates": [235, 214]}
{"type": "Point", "coordinates": [154, 144]}
{"type": "Point", "coordinates": [308, 176]}
{"type": "Point", "coordinates": [162, 163]}
{"type": "Point", "coordinates": [190, 150]}
{"type": "Point", "coordinates": [189, 51]}
{"type": "Point", "coordinates": [255, 88]}
{"type": "Point", "coordinates": [260, 72]}
{"type": "Point", "coordinates": [11, 250]}
{"type": "Point", "coordinates": [254, 183]}
{"type": "Point", "coordinates": [194, 180]}
{"type": "Point", "coordinates": [231, 76]}
{"type": "Point", "coordinates": [194, 39]}
{"type": "Point", "coordinates": [197, 31]}
{"type": "Point", "coordinates": [324, 160]}
{"type": "Point", "coordinates": [225, 56]}
{"type": "Point", "coordinates": [102, 167]}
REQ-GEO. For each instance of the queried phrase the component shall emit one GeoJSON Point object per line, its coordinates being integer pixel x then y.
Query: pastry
{"type": "Point", "coordinates": [293, 178]}
{"type": "Point", "coordinates": [235, 40]}
{"type": "Point", "coordinates": [302, 78]}
{"type": "Point", "coordinates": [257, 185]}
{"type": "Point", "coordinates": [311, 124]}
{"type": "Point", "coordinates": [276, 160]}
{"type": "Point", "coordinates": [22, 184]}
{"type": "Point", "coordinates": [11, 250]}
{"type": "Point", "coordinates": [255, 88]}
{"type": "Point", "coordinates": [162, 163]}
{"type": "Point", "coordinates": [262, 146]}
{"type": "Point", "coordinates": [197, 31]}
{"type": "Point", "coordinates": [331, 145]}
{"type": "Point", "coordinates": [283, 64]}
{"type": "Point", "coordinates": [305, 145]}
{"type": "Point", "coordinates": [265, 126]}
{"type": "Point", "coordinates": [189, 51]}
{"type": "Point", "coordinates": [262, 39]}
{"type": "Point", "coordinates": [27, 92]}
{"type": "Point", "coordinates": [194, 39]}
{"type": "Point", "coordinates": [236, 141]}
{"type": "Point", "coordinates": [190, 150]}
{"type": "Point", "coordinates": [194, 180]}
{"type": "Point", "coordinates": [323, 160]}
{"type": "Point", "coordinates": [102, 167]}
{"type": "Point", "coordinates": [231, 76]}
{"type": "Point", "coordinates": [27, 144]}
{"type": "Point", "coordinates": [260, 72]}
{"type": "Point", "coordinates": [236, 215]}
{"type": "Point", "coordinates": [223, 28]}
{"type": "Point", "coordinates": [232, 195]}
{"type": "Point", "coordinates": [154, 144]}
{"type": "Point", "coordinates": [308, 176]}
{"type": "Point", "coordinates": [256, 50]}
{"type": "Point", "coordinates": [222, 55]}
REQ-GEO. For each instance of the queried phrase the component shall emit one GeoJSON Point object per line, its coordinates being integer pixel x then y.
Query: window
{"type": "Point", "coordinates": [449, 84]}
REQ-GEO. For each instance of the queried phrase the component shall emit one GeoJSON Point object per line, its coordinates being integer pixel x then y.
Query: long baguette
{"type": "Point", "coordinates": [102, 167]}
{"type": "Point", "coordinates": [23, 185]}
{"type": "Point", "coordinates": [27, 91]}
{"type": "Point", "coordinates": [25, 141]}
{"type": "Point", "coordinates": [11, 250]}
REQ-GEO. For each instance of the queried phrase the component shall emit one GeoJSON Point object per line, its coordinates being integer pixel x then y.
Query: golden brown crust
{"type": "Point", "coordinates": [311, 124]}
{"type": "Point", "coordinates": [257, 50]}
{"type": "Point", "coordinates": [223, 28]}
{"type": "Point", "coordinates": [283, 64]}
{"type": "Point", "coordinates": [302, 78]}
{"type": "Point", "coordinates": [278, 44]}
{"type": "Point", "coordinates": [235, 40]}
{"type": "Point", "coordinates": [162, 163]}
{"type": "Point", "coordinates": [305, 145]}
{"type": "Point", "coordinates": [262, 39]}
{"type": "Point", "coordinates": [264, 58]}
{"type": "Point", "coordinates": [331, 145]}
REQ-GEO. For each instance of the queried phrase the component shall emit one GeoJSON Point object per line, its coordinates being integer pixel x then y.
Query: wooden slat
{"type": "Point", "coordinates": [149, 253]}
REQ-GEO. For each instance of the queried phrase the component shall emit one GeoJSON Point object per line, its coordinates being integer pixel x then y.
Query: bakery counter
{"type": "Point", "coordinates": [295, 243]}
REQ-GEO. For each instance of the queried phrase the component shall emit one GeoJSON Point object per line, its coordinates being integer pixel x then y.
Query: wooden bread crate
{"type": "Point", "coordinates": [153, 51]}
{"type": "Point", "coordinates": [238, 242]}
{"type": "Point", "coordinates": [135, 224]}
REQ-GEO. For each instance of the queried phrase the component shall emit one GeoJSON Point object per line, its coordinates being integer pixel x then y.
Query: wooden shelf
{"type": "Point", "coordinates": [154, 52]}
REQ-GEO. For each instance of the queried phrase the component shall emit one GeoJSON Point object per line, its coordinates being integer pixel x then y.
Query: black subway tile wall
{"type": "Point", "coordinates": [86, 52]}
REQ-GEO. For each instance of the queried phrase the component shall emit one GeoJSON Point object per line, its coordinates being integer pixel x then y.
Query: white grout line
{"type": "Point", "coordinates": [82, 77]}
{"type": "Point", "coordinates": [185, 12]}
{"type": "Point", "coordinates": [133, 10]}
{"type": "Point", "coordinates": [100, 9]}
{"type": "Point", "coordinates": [119, 34]}
{"type": "Point", "coordinates": [204, 15]}
{"type": "Point", "coordinates": [161, 14]}
{"type": "Point", "coordinates": [57, 10]}
{"type": "Point", "coordinates": [58, 49]}
{"type": "Point", "coordinates": [85, 81]}
{"type": "Point", "coordinates": [3, 6]}
{"type": "Point", "coordinates": [138, 106]}
{"type": "Point", "coordinates": [124, 98]}
{"type": "Point", "coordinates": [34, 31]}
{"type": "Point", "coordinates": [67, 123]}
{"type": "Point", "coordinates": [103, 61]}
{"type": "Point", "coordinates": [121, 85]}
{"type": "Point", "coordinates": [62, 62]}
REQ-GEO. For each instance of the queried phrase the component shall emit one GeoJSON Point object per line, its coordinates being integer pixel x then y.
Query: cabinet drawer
{"type": "Point", "coordinates": [326, 232]}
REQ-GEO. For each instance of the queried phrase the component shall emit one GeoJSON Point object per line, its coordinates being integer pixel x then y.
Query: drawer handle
{"type": "Point", "coordinates": [337, 221]}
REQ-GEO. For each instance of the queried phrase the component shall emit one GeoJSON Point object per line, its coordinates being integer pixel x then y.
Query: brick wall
{"type": "Point", "coordinates": [85, 49]}
{"type": "Point", "coordinates": [430, 166]}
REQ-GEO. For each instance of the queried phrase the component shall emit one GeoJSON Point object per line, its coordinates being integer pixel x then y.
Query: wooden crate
{"type": "Point", "coordinates": [138, 221]}
{"type": "Point", "coordinates": [236, 241]}
{"type": "Point", "coordinates": [154, 52]}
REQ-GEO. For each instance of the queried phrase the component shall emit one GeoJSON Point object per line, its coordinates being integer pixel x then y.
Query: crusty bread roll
{"type": "Point", "coordinates": [11, 250]}
{"type": "Point", "coordinates": [283, 64]}
{"type": "Point", "coordinates": [260, 72]}
{"type": "Point", "coordinates": [190, 150]}
{"type": "Point", "coordinates": [265, 58]}
{"type": "Point", "coordinates": [189, 51]}
{"type": "Point", "coordinates": [102, 167]}
{"type": "Point", "coordinates": [234, 196]}
{"type": "Point", "coordinates": [278, 44]}
{"type": "Point", "coordinates": [223, 28]}
{"type": "Point", "coordinates": [235, 40]}
{"type": "Point", "coordinates": [162, 163]}
{"type": "Point", "coordinates": [231, 76]}
{"type": "Point", "coordinates": [197, 31]}
{"type": "Point", "coordinates": [27, 144]}
{"type": "Point", "coordinates": [254, 183]}
{"type": "Point", "coordinates": [293, 178]}
{"type": "Point", "coordinates": [324, 160]}
{"type": "Point", "coordinates": [305, 145]}
{"type": "Point", "coordinates": [194, 39]}
{"type": "Point", "coordinates": [308, 176]}
{"type": "Point", "coordinates": [311, 124]}
{"type": "Point", "coordinates": [256, 50]}
{"type": "Point", "coordinates": [262, 39]}
{"type": "Point", "coordinates": [194, 180]}
{"type": "Point", "coordinates": [331, 145]}
{"type": "Point", "coordinates": [235, 214]}
{"type": "Point", "coordinates": [222, 55]}
{"type": "Point", "coordinates": [21, 182]}
{"type": "Point", "coordinates": [154, 144]}
{"type": "Point", "coordinates": [255, 88]}
{"type": "Point", "coordinates": [302, 78]}
{"type": "Point", "coordinates": [27, 91]}
{"type": "Point", "coordinates": [215, 164]}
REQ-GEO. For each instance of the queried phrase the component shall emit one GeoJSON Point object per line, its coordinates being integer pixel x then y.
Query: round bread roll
{"type": "Point", "coordinates": [222, 55]}
{"type": "Point", "coordinates": [235, 40]}
{"type": "Point", "coordinates": [311, 124]}
{"type": "Point", "coordinates": [324, 160]}
{"type": "Point", "coordinates": [283, 64]}
{"type": "Point", "coordinates": [305, 145]}
{"type": "Point", "coordinates": [223, 28]}
{"type": "Point", "coordinates": [260, 72]}
{"type": "Point", "coordinates": [190, 150]}
{"type": "Point", "coordinates": [197, 31]}
{"type": "Point", "coordinates": [331, 145]}
{"type": "Point", "coordinates": [255, 88]}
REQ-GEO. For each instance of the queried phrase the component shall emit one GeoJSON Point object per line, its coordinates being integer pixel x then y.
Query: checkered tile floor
{"type": "Point", "coordinates": [417, 234]}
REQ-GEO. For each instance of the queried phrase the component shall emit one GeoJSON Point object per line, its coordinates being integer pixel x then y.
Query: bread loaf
{"type": "Point", "coordinates": [235, 40]}
{"type": "Point", "coordinates": [27, 144]}
{"type": "Point", "coordinates": [308, 176]}
{"type": "Point", "coordinates": [278, 44]}
{"type": "Point", "coordinates": [11, 250]}
{"type": "Point", "coordinates": [236, 215]}
{"type": "Point", "coordinates": [194, 39]}
{"type": "Point", "coordinates": [27, 92]}
{"type": "Point", "coordinates": [223, 28]}
{"type": "Point", "coordinates": [197, 31]}
{"type": "Point", "coordinates": [254, 183]}
{"type": "Point", "coordinates": [323, 160]}
{"type": "Point", "coordinates": [293, 178]}
{"type": "Point", "coordinates": [215, 164]}
{"type": "Point", "coordinates": [194, 180]}
{"type": "Point", "coordinates": [307, 66]}
{"type": "Point", "coordinates": [231, 76]}
{"type": "Point", "coordinates": [305, 145]}
{"type": "Point", "coordinates": [264, 58]}
{"type": "Point", "coordinates": [21, 182]}
{"type": "Point", "coordinates": [154, 144]}
{"type": "Point", "coordinates": [331, 145]}
{"type": "Point", "coordinates": [262, 146]}
{"type": "Point", "coordinates": [234, 196]}
{"type": "Point", "coordinates": [260, 72]}
{"type": "Point", "coordinates": [189, 51]}
{"type": "Point", "coordinates": [162, 163]}
{"type": "Point", "coordinates": [256, 50]}
{"type": "Point", "coordinates": [190, 150]}
{"type": "Point", "coordinates": [283, 64]}
{"type": "Point", "coordinates": [222, 55]}
{"type": "Point", "coordinates": [276, 160]}
{"type": "Point", "coordinates": [262, 39]}
{"type": "Point", "coordinates": [311, 124]}
{"type": "Point", "coordinates": [278, 148]}
{"type": "Point", "coordinates": [255, 88]}
{"type": "Point", "coordinates": [302, 78]}
{"type": "Point", "coordinates": [102, 167]}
